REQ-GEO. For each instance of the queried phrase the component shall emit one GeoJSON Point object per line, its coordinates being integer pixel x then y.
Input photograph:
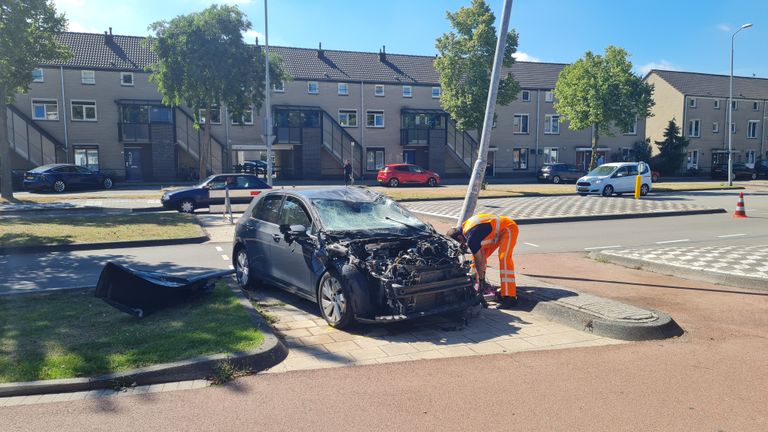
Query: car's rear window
{"type": "Point", "coordinates": [42, 168]}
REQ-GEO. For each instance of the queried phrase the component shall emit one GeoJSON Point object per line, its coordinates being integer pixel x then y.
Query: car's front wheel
{"type": "Point", "coordinates": [556, 180]}
{"type": "Point", "coordinates": [187, 206]}
{"type": "Point", "coordinates": [754, 176]}
{"type": "Point", "coordinates": [59, 186]}
{"type": "Point", "coordinates": [608, 190]}
{"type": "Point", "coordinates": [393, 182]}
{"type": "Point", "coordinates": [431, 182]}
{"type": "Point", "coordinates": [107, 183]}
{"type": "Point", "coordinates": [335, 304]}
{"type": "Point", "coordinates": [644, 189]}
{"type": "Point", "coordinates": [243, 270]}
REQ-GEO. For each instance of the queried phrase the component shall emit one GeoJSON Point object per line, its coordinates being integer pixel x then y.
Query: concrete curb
{"type": "Point", "coordinates": [269, 354]}
{"type": "Point", "coordinates": [593, 314]}
{"type": "Point", "coordinates": [556, 219]}
{"type": "Point", "coordinates": [106, 245]}
{"type": "Point", "coordinates": [731, 280]}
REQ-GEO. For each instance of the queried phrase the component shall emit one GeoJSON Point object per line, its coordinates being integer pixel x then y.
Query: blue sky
{"type": "Point", "coordinates": [690, 35]}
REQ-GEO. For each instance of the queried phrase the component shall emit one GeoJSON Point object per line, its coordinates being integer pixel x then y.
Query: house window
{"type": "Point", "coordinates": [38, 75]}
{"type": "Point", "coordinates": [716, 104]}
{"type": "Point", "coordinates": [692, 102]}
{"type": "Point", "coordinates": [752, 129]}
{"type": "Point", "coordinates": [520, 124]}
{"type": "Point", "coordinates": [45, 109]}
{"type": "Point", "coordinates": [246, 119]}
{"type": "Point", "coordinates": [278, 87]}
{"type": "Point", "coordinates": [735, 105]}
{"type": "Point", "coordinates": [374, 159]}
{"type": "Point", "coordinates": [693, 159]}
{"type": "Point", "coordinates": [407, 91]}
{"type": "Point", "coordinates": [87, 157]}
{"type": "Point", "coordinates": [88, 77]}
{"type": "Point", "coordinates": [755, 106]}
{"type": "Point", "coordinates": [548, 97]}
{"type": "Point", "coordinates": [715, 127]}
{"type": "Point", "coordinates": [525, 96]}
{"type": "Point", "coordinates": [733, 127]}
{"type": "Point", "coordinates": [126, 78]}
{"type": "Point", "coordinates": [436, 92]}
{"type": "Point", "coordinates": [550, 155]}
{"type": "Point", "coordinates": [343, 89]}
{"type": "Point", "coordinates": [551, 124]}
{"type": "Point", "coordinates": [374, 119]}
{"type": "Point", "coordinates": [694, 128]}
{"type": "Point", "coordinates": [378, 90]}
{"type": "Point", "coordinates": [215, 115]}
{"type": "Point", "coordinates": [632, 128]}
{"type": "Point", "coordinates": [520, 158]}
{"type": "Point", "coordinates": [627, 154]}
{"type": "Point", "coordinates": [83, 110]}
{"type": "Point", "coordinates": [312, 87]}
{"type": "Point", "coordinates": [348, 118]}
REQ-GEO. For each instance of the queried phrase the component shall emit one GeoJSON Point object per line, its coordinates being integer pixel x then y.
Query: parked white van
{"type": "Point", "coordinates": [615, 178]}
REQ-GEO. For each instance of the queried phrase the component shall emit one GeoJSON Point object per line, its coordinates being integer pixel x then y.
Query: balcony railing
{"type": "Point", "coordinates": [414, 136]}
{"type": "Point", "coordinates": [289, 135]}
{"type": "Point", "coordinates": [134, 132]}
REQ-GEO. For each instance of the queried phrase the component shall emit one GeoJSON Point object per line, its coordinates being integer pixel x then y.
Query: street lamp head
{"type": "Point", "coordinates": [746, 26]}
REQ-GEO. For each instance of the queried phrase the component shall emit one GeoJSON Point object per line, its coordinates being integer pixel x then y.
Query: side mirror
{"type": "Point", "coordinates": [293, 231]}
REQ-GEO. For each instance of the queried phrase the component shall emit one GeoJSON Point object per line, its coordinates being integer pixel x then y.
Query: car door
{"type": "Point", "coordinates": [403, 174]}
{"type": "Point", "coordinates": [621, 180]}
{"type": "Point", "coordinates": [294, 260]}
{"type": "Point", "coordinates": [68, 174]}
{"type": "Point", "coordinates": [217, 183]}
{"type": "Point", "coordinates": [245, 183]}
{"type": "Point", "coordinates": [259, 236]}
{"type": "Point", "coordinates": [418, 174]}
{"type": "Point", "coordinates": [574, 173]}
{"type": "Point", "coordinates": [87, 178]}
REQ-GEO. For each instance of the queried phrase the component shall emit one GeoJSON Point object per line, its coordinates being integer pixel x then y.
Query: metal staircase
{"type": "Point", "coordinates": [339, 143]}
{"type": "Point", "coordinates": [189, 140]}
{"type": "Point", "coordinates": [463, 148]}
{"type": "Point", "coordinates": [31, 142]}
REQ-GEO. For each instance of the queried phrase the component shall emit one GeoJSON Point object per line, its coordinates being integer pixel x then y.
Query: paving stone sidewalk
{"type": "Point", "coordinates": [559, 206]}
{"type": "Point", "coordinates": [82, 204]}
{"type": "Point", "coordinates": [736, 265]}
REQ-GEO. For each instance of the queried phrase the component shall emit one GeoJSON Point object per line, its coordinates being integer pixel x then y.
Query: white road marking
{"type": "Point", "coordinates": [531, 244]}
{"type": "Point", "coordinates": [219, 249]}
{"type": "Point", "coordinates": [602, 247]}
{"type": "Point", "coordinates": [731, 235]}
{"type": "Point", "coordinates": [225, 258]}
{"type": "Point", "coordinates": [673, 241]}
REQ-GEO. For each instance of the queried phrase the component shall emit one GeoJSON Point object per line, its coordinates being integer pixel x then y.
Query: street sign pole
{"type": "Point", "coordinates": [473, 190]}
{"type": "Point", "coordinates": [267, 125]}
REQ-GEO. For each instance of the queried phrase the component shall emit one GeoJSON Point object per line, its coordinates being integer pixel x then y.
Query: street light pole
{"type": "Point", "coordinates": [267, 124]}
{"type": "Point", "coordinates": [730, 110]}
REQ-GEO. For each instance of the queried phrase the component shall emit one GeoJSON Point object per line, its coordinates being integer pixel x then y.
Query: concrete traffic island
{"type": "Point", "coordinates": [592, 314]}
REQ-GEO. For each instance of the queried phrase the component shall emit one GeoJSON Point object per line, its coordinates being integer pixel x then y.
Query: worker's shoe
{"type": "Point", "coordinates": [507, 303]}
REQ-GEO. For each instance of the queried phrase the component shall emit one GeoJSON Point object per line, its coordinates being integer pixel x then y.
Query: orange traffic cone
{"type": "Point", "coordinates": [740, 213]}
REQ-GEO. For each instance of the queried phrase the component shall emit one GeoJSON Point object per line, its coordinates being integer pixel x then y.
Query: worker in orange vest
{"type": "Point", "coordinates": [483, 234]}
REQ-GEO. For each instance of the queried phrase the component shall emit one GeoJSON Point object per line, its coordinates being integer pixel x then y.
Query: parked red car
{"type": "Point", "coordinates": [393, 175]}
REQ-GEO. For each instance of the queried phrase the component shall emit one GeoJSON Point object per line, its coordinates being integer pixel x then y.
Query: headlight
{"type": "Point", "coordinates": [165, 196]}
{"type": "Point", "coordinates": [597, 181]}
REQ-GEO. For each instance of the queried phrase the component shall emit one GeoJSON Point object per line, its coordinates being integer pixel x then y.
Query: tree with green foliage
{"type": "Point", "coordinates": [602, 93]}
{"type": "Point", "coordinates": [464, 64]}
{"type": "Point", "coordinates": [28, 30]}
{"type": "Point", "coordinates": [672, 150]}
{"type": "Point", "coordinates": [641, 151]}
{"type": "Point", "coordinates": [203, 62]}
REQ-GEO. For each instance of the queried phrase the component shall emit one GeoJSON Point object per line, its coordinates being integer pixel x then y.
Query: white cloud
{"type": "Point", "coordinates": [662, 64]}
{"type": "Point", "coordinates": [64, 5]}
{"type": "Point", "coordinates": [76, 26]}
{"type": "Point", "coordinates": [521, 56]}
{"type": "Point", "coordinates": [251, 35]}
{"type": "Point", "coordinates": [724, 28]}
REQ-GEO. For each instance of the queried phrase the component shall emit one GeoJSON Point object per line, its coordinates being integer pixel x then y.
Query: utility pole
{"type": "Point", "coordinates": [267, 123]}
{"type": "Point", "coordinates": [473, 189]}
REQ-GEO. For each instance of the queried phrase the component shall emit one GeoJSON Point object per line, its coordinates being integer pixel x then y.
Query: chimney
{"type": "Point", "coordinates": [110, 31]}
{"type": "Point", "coordinates": [108, 37]}
{"type": "Point", "coordinates": [383, 54]}
{"type": "Point", "coordinates": [320, 52]}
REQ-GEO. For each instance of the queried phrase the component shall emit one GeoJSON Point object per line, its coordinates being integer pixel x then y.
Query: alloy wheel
{"type": "Point", "coordinates": [644, 190]}
{"type": "Point", "coordinates": [394, 182]}
{"type": "Point", "coordinates": [59, 186]}
{"type": "Point", "coordinates": [242, 269]}
{"type": "Point", "coordinates": [107, 183]}
{"type": "Point", "coordinates": [556, 180]}
{"type": "Point", "coordinates": [332, 300]}
{"type": "Point", "coordinates": [432, 182]}
{"type": "Point", "coordinates": [608, 190]}
{"type": "Point", "coordinates": [187, 206]}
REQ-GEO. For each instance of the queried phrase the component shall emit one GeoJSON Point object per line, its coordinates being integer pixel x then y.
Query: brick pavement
{"type": "Point", "coordinates": [557, 206]}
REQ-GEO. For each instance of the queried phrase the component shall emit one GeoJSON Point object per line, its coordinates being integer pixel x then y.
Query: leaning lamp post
{"type": "Point", "coordinates": [730, 110]}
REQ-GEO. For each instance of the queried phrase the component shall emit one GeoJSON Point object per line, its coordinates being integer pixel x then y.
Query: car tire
{"type": "Point", "coordinates": [187, 206]}
{"type": "Point", "coordinates": [754, 176]}
{"type": "Point", "coordinates": [243, 273]}
{"type": "Point", "coordinates": [59, 186]}
{"type": "Point", "coordinates": [431, 182]}
{"type": "Point", "coordinates": [655, 179]}
{"type": "Point", "coordinates": [393, 182]}
{"type": "Point", "coordinates": [644, 189]}
{"type": "Point", "coordinates": [607, 190]}
{"type": "Point", "coordinates": [334, 301]}
{"type": "Point", "coordinates": [557, 180]}
{"type": "Point", "coordinates": [107, 183]}
{"type": "Point", "coordinates": [582, 194]}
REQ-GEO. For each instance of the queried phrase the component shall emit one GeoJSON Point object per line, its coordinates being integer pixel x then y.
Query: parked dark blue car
{"type": "Point", "coordinates": [62, 177]}
{"type": "Point", "coordinates": [186, 200]}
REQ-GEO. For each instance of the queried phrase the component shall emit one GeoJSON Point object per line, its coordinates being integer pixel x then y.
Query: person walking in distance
{"type": "Point", "coordinates": [349, 178]}
{"type": "Point", "coordinates": [483, 234]}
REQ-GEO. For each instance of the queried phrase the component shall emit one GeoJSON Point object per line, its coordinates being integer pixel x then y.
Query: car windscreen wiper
{"type": "Point", "coordinates": [408, 225]}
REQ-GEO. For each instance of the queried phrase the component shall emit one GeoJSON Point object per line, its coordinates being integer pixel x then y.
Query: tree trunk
{"type": "Point", "coordinates": [205, 144]}
{"type": "Point", "coordinates": [6, 179]}
{"type": "Point", "coordinates": [595, 137]}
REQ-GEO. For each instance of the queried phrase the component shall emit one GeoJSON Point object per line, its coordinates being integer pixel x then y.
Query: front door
{"type": "Point", "coordinates": [294, 261]}
{"type": "Point", "coordinates": [132, 164]}
{"type": "Point", "coordinates": [409, 156]}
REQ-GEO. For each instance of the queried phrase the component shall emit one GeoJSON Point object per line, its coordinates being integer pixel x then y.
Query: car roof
{"type": "Point", "coordinates": [360, 194]}
{"type": "Point", "coordinates": [399, 164]}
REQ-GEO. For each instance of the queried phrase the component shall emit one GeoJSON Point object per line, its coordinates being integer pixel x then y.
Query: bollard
{"type": "Point", "coordinates": [227, 206]}
{"type": "Point", "coordinates": [638, 182]}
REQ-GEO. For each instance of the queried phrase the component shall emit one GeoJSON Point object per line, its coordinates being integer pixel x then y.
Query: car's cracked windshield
{"type": "Point", "coordinates": [344, 215]}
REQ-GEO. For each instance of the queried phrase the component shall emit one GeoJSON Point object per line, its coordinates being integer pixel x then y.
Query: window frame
{"type": "Point", "coordinates": [374, 113]}
{"type": "Point", "coordinates": [439, 93]}
{"type": "Point", "coordinates": [35, 79]}
{"type": "Point", "coordinates": [347, 112]}
{"type": "Point", "coordinates": [84, 80]}
{"type": "Point", "coordinates": [527, 123]}
{"type": "Point", "coordinates": [734, 105]}
{"type": "Point", "coordinates": [549, 96]}
{"type": "Point", "coordinates": [245, 123]}
{"type": "Point", "coordinates": [122, 79]}
{"type": "Point", "coordinates": [375, 151]}
{"type": "Point", "coordinates": [87, 149]}
{"type": "Point", "coordinates": [549, 121]}
{"type": "Point", "coordinates": [344, 86]}
{"type": "Point", "coordinates": [300, 205]}
{"type": "Point", "coordinates": [716, 104]}
{"type": "Point", "coordinates": [261, 205]}
{"type": "Point", "coordinates": [83, 103]}
{"type": "Point", "coordinates": [633, 130]}
{"type": "Point", "coordinates": [752, 129]}
{"type": "Point", "coordinates": [521, 164]}
{"type": "Point", "coordinates": [692, 102]}
{"type": "Point", "coordinates": [277, 89]}
{"type": "Point", "coordinates": [715, 127]}
{"type": "Point", "coordinates": [45, 102]}
{"type": "Point", "coordinates": [523, 94]}
{"type": "Point", "coordinates": [410, 91]}
{"type": "Point", "coordinates": [316, 85]}
{"type": "Point", "coordinates": [203, 120]}
{"type": "Point", "coordinates": [697, 122]}
{"type": "Point", "coordinates": [376, 88]}
{"type": "Point", "coordinates": [755, 106]}
{"type": "Point", "coordinates": [547, 155]}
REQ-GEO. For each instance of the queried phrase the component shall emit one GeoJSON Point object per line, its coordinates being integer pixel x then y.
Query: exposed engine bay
{"type": "Point", "coordinates": [409, 276]}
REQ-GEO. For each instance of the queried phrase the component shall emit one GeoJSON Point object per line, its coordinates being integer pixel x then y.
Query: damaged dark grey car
{"type": "Point", "coordinates": [356, 253]}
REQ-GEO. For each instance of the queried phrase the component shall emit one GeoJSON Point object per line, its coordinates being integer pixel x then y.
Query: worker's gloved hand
{"type": "Point", "coordinates": [485, 289]}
